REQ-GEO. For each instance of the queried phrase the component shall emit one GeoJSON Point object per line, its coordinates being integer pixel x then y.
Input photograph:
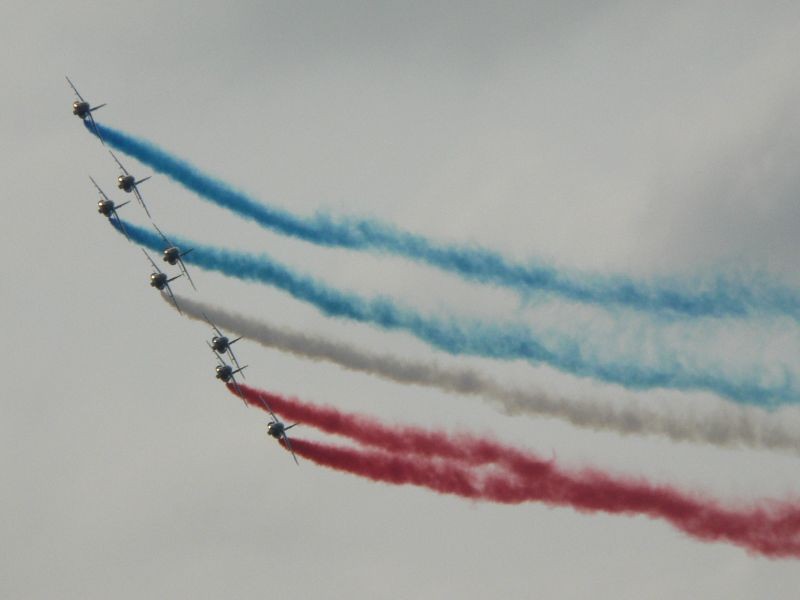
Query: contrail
{"type": "Point", "coordinates": [470, 337]}
{"type": "Point", "coordinates": [768, 528]}
{"type": "Point", "coordinates": [715, 295]}
{"type": "Point", "coordinates": [727, 426]}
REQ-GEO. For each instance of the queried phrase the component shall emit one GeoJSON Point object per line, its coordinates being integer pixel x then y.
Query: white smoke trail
{"type": "Point", "coordinates": [727, 425]}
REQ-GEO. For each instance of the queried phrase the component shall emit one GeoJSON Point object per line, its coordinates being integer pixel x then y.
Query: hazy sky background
{"type": "Point", "coordinates": [635, 138]}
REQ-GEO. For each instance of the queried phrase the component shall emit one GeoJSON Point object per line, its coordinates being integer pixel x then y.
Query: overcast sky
{"type": "Point", "coordinates": [635, 138]}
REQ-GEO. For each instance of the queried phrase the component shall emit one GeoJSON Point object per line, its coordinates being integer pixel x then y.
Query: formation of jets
{"type": "Point", "coordinates": [219, 344]}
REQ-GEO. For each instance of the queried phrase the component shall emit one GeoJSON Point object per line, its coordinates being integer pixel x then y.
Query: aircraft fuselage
{"type": "Point", "coordinates": [224, 373]}
{"type": "Point", "coordinates": [276, 429]}
{"type": "Point", "coordinates": [105, 207]}
{"type": "Point", "coordinates": [80, 109]}
{"type": "Point", "coordinates": [158, 280]}
{"type": "Point", "coordinates": [171, 255]}
{"type": "Point", "coordinates": [220, 344]}
{"type": "Point", "coordinates": [126, 182]}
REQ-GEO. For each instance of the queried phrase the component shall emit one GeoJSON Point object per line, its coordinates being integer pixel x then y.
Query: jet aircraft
{"type": "Point", "coordinates": [173, 255]}
{"type": "Point", "coordinates": [160, 281]}
{"type": "Point", "coordinates": [82, 109]}
{"type": "Point", "coordinates": [128, 182]}
{"type": "Point", "coordinates": [106, 207]}
{"type": "Point", "coordinates": [277, 429]}
{"type": "Point", "coordinates": [221, 344]}
{"type": "Point", "coordinates": [226, 374]}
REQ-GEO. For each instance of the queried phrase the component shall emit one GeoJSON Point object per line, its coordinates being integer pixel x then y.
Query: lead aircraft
{"type": "Point", "coordinates": [82, 109]}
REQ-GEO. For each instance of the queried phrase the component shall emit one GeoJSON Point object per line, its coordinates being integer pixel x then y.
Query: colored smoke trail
{"type": "Point", "coordinates": [446, 463]}
{"type": "Point", "coordinates": [370, 432]}
{"type": "Point", "coordinates": [727, 425]}
{"type": "Point", "coordinates": [770, 529]}
{"type": "Point", "coordinates": [709, 296]}
{"type": "Point", "coordinates": [470, 337]}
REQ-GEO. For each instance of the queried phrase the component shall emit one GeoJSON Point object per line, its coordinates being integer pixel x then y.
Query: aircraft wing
{"type": "Point", "coordinates": [74, 89]}
{"type": "Point", "coordinates": [121, 224]}
{"type": "Point", "coordinates": [289, 446]}
{"type": "Point", "coordinates": [102, 193]}
{"type": "Point", "coordinates": [238, 389]}
{"type": "Point", "coordinates": [233, 358]}
{"type": "Point", "coordinates": [189, 277]}
{"type": "Point", "coordinates": [163, 237]}
{"type": "Point", "coordinates": [219, 360]}
{"type": "Point", "coordinates": [114, 156]}
{"type": "Point", "coordinates": [141, 201]}
{"type": "Point", "coordinates": [174, 301]}
{"type": "Point", "coordinates": [269, 410]}
{"type": "Point", "coordinates": [155, 266]}
{"type": "Point", "coordinates": [214, 327]}
{"type": "Point", "coordinates": [94, 125]}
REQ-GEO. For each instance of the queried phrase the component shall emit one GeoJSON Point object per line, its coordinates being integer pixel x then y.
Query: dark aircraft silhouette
{"type": "Point", "coordinates": [128, 183]}
{"type": "Point", "coordinates": [226, 374]}
{"type": "Point", "coordinates": [81, 109]}
{"type": "Point", "coordinates": [221, 344]}
{"type": "Point", "coordinates": [173, 255]}
{"type": "Point", "coordinates": [160, 281]}
{"type": "Point", "coordinates": [107, 208]}
{"type": "Point", "coordinates": [277, 429]}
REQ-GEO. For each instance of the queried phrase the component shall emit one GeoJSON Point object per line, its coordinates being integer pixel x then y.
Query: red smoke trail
{"type": "Point", "coordinates": [402, 439]}
{"type": "Point", "coordinates": [440, 476]}
{"type": "Point", "coordinates": [768, 532]}
{"type": "Point", "coordinates": [450, 464]}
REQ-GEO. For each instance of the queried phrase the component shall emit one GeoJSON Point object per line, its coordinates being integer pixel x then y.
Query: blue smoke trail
{"type": "Point", "coordinates": [712, 296]}
{"type": "Point", "coordinates": [463, 336]}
